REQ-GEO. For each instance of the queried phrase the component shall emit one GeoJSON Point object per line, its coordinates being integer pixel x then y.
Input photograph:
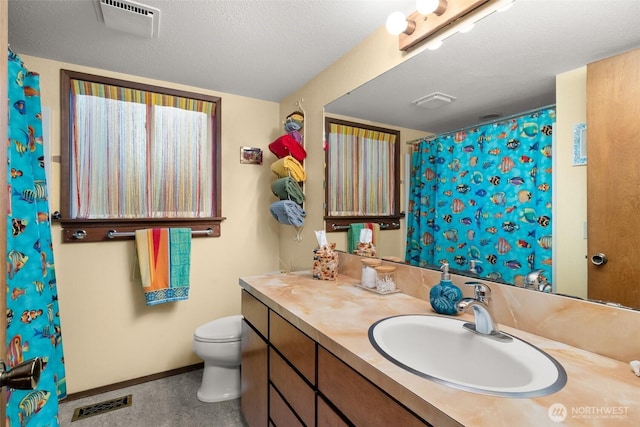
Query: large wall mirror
{"type": "Point", "coordinates": [508, 64]}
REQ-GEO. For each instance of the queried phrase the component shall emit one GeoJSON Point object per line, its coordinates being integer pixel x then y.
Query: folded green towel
{"type": "Point", "coordinates": [353, 236]}
{"type": "Point", "coordinates": [287, 189]}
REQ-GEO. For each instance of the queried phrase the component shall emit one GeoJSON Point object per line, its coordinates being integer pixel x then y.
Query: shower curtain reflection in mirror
{"type": "Point", "coordinates": [484, 194]}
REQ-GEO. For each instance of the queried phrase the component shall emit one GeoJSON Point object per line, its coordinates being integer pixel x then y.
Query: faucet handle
{"type": "Point", "coordinates": [482, 291]}
{"type": "Point", "coordinates": [532, 278]}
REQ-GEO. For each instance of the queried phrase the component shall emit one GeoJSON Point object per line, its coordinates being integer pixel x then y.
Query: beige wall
{"type": "Point", "coordinates": [109, 334]}
{"type": "Point", "coordinates": [380, 52]}
{"type": "Point", "coordinates": [570, 192]}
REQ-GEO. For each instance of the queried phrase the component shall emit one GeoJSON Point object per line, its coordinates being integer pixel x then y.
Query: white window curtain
{"type": "Point", "coordinates": [132, 160]}
{"type": "Point", "coordinates": [360, 175]}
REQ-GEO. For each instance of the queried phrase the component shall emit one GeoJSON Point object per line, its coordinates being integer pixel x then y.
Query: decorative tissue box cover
{"type": "Point", "coordinates": [325, 263]}
{"type": "Point", "coordinates": [365, 249]}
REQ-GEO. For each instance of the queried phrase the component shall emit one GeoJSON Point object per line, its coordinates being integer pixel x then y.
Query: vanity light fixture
{"type": "Point", "coordinates": [397, 23]}
{"type": "Point", "coordinates": [426, 7]}
{"type": "Point", "coordinates": [434, 100]}
{"type": "Point", "coordinates": [445, 19]}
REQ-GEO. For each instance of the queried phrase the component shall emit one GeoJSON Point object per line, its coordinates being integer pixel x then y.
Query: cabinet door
{"type": "Point", "coordinates": [254, 377]}
{"type": "Point", "coordinates": [279, 412]}
{"type": "Point", "coordinates": [294, 345]}
{"type": "Point", "coordinates": [359, 400]}
{"type": "Point", "coordinates": [298, 393]}
{"type": "Point", "coordinates": [256, 313]}
{"type": "Point", "coordinates": [327, 417]}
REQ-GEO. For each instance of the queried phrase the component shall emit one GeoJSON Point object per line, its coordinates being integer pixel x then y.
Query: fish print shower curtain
{"type": "Point", "coordinates": [484, 194]}
{"type": "Point", "coordinates": [33, 323]}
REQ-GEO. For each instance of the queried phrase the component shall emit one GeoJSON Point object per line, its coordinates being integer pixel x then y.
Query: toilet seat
{"type": "Point", "coordinates": [224, 329]}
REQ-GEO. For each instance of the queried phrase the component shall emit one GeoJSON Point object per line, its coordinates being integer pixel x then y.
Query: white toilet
{"type": "Point", "coordinates": [217, 343]}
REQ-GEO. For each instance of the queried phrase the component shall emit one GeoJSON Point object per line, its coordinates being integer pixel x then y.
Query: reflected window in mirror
{"type": "Point", "coordinates": [362, 182]}
{"type": "Point", "coordinates": [137, 156]}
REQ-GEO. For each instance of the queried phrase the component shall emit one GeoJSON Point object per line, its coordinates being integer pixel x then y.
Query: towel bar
{"type": "Point", "coordinates": [383, 225]}
{"type": "Point", "coordinates": [111, 234]}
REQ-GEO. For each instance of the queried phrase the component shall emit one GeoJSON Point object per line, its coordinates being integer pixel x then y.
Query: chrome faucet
{"type": "Point", "coordinates": [535, 280]}
{"type": "Point", "coordinates": [484, 324]}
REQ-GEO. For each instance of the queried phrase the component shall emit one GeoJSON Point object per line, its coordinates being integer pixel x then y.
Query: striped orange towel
{"type": "Point", "coordinates": [164, 255]}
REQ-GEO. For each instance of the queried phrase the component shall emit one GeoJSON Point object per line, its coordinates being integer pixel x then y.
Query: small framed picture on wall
{"type": "Point", "coordinates": [251, 155]}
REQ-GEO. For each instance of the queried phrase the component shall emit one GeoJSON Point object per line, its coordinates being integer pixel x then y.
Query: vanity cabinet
{"type": "Point", "coordinates": [288, 380]}
{"type": "Point", "coordinates": [359, 400]}
{"type": "Point", "coordinates": [254, 359]}
{"type": "Point", "coordinates": [279, 412]}
{"type": "Point", "coordinates": [292, 369]}
{"type": "Point", "coordinates": [327, 417]}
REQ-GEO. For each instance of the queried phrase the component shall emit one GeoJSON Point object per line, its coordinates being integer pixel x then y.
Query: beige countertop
{"type": "Point", "coordinates": [337, 314]}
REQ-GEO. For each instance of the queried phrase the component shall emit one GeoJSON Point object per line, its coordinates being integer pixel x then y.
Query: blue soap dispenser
{"type": "Point", "coordinates": [445, 295]}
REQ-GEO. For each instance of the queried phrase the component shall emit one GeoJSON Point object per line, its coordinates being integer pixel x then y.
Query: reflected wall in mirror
{"type": "Point", "coordinates": [513, 62]}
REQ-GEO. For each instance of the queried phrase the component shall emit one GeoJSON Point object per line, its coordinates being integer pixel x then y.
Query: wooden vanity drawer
{"type": "Point", "coordinates": [359, 400]}
{"type": "Point", "coordinates": [256, 313]}
{"type": "Point", "coordinates": [293, 388]}
{"type": "Point", "coordinates": [254, 377]}
{"type": "Point", "coordinates": [279, 412]}
{"type": "Point", "coordinates": [327, 417]}
{"type": "Point", "coordinates": [295, 346]}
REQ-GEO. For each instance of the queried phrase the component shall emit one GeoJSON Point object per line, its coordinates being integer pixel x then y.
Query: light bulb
{"type": "Point", "coordinates": [425, 7]}
{"type": "Point", "coordinates": [435, 44]}
{"type": "Point", "coordinates": [396, 23]}
{"type": "Point", "coordinates": [466, 27]}
{"type": "Point", "coordinates": [505, 7]}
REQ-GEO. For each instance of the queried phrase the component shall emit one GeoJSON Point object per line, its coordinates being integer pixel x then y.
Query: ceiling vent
{"type": "Point", "coordinates": [434, 100]}
{"type": "Point", "coordinates": [131, 17]}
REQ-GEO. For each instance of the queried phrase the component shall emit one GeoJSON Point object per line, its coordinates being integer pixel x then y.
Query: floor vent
{"type": "Point", "coordinates": [101, 407]}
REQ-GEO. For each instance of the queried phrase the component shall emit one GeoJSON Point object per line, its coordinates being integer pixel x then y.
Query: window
{"type": "Point", "coordinates": [137, 156]}
{"type": "Point", "coordinates": [362, 175]}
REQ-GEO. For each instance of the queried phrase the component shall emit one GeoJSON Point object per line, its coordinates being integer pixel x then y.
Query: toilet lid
{"type": "Point", "coordinates": [225, 329]}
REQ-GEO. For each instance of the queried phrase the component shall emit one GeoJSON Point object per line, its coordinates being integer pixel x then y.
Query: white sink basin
{"type": "Point", "coordinates": [440, 349]}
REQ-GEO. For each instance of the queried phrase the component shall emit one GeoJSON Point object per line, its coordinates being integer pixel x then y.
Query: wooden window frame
{"type": "Point", "coordinates": [94, 230]}
{"type": "Point", "coordinates": [335, 223]}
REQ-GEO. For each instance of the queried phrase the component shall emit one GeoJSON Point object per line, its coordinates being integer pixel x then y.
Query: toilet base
{"type": "Point", "coordinates": [219, 384]}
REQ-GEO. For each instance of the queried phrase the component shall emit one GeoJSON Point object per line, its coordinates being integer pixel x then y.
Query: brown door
{"type": "Point", "coordinates": [4, 36]}
{"type": "Point", "coordinates": [613, 178]}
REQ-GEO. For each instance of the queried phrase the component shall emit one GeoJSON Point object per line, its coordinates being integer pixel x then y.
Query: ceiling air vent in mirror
{"type": "Point", "coordinates": [434, 100]}
{"type": "Point", "coordinates": [130, 17]}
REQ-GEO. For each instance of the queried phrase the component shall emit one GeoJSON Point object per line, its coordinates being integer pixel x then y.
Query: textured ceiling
{"type": "Point", "coordinates": [267, 49]}
{"type": "Point", "coordinates": [506, 65]}
{"type": "Point", "coordinates": [260, 49]}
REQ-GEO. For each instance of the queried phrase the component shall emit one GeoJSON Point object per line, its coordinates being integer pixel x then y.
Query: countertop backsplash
{"type": "Point", "coordinates": [598, 328]}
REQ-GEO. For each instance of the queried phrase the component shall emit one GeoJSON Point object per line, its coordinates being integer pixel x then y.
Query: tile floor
{"type": "Point", "coordinates": [167, 402]}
